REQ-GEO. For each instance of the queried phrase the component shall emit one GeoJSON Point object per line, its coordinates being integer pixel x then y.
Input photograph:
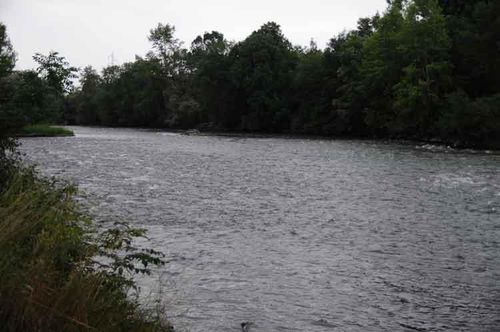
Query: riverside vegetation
{"type": "Point", "coordinates": [39, 130]}
{"type": "Point", "coordinates": [423, 69]}
{"type": "Point", "coordinates": [58, 270]}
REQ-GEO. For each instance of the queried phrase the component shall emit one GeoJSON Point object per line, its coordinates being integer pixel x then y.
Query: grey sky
{"type": "Point", "coordinates": [89, 31]}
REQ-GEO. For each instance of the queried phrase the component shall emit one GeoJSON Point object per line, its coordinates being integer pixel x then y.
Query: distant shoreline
{"type": "Point", "coordinates": [459, 146]}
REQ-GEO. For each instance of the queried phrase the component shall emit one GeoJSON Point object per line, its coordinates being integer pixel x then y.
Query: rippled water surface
{"type": "Point", "coordinates": [297, 234]}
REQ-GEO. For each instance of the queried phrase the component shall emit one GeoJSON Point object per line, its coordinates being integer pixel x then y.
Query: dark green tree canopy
{"type": "Point", "coordinates": [56, 71]}
{"type": "Point", "coordinates": [7, 54]}
{"type": "Point", "coordinates": [422, 69]}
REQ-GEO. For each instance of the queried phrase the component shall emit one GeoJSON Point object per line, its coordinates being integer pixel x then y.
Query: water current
{"type": "Point", "coordinates": [299, 234]}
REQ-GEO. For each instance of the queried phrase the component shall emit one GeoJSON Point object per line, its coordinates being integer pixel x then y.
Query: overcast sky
{"type": "Point", "coordinates": [90, 31]}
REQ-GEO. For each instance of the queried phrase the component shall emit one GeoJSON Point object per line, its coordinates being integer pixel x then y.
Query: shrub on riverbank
{"type": "Point", "coordinates": [58, 272]}
{"type": "Point", "coordinates": [43, 130]}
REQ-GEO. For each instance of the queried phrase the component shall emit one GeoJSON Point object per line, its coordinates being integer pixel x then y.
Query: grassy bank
{"type": "Point", "coordinates": [43, 130]}
{"type": "Point", "coordinates": [58, 272]}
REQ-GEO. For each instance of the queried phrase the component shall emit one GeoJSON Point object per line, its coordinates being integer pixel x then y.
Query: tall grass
{"type": "Point", "coordinates": [58, 272]}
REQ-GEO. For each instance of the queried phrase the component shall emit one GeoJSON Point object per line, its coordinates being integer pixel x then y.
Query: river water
{"type": "Point", "coordinates": [299, 234]}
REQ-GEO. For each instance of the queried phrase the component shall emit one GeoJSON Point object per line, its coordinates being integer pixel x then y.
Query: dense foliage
{"type": "Point", "coordinates": [59, 273]}
{"type": "Point", "coordinates": [423, 69]}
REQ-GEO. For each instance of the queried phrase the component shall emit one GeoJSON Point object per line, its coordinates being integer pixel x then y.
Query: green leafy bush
{"type": "Point", "coordinates": [58, 272]}
{"type": "Point", "coordinates": [471, 122]}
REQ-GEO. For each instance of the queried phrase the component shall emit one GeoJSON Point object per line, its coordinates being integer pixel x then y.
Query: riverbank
{"type": "Point", "coordinates": [443, 144]}
{"type": "Point", "coordinates": [406, 140]}
{"type": "Point", "coordinates": [59, 271]}
{"type": "Point", "coordinates": [43, 130]}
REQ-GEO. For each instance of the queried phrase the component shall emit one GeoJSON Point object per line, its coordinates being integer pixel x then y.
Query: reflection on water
{"type": "Point", "coordinates": [297, 234]}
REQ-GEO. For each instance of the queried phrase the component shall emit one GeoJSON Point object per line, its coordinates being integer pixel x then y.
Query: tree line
{"type": "Point", "coordinates": [423, 69]}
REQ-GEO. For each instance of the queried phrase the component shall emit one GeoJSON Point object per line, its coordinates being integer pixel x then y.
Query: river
{"type": "Point", "coordinates": [299, 234]}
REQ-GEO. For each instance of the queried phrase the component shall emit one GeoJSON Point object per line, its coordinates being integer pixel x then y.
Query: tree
{"type": "Point", "coordinates": [348, 94]}
{"type": "Point", "coordinates": [56, 71]}
{"type": "Point", "coordinates": [7, 54]}
{"type": "Point", "coordinates": [7, 63]}
{"type": "Point", "coordinates": [426, 74]}
{"type": "Point", "coordinates": [261, 70]}
{"type": "Point", "coordinates": [474, 27]}
{"type": "Point", "coordinates": [28, 102]}
{"type": "Point", "coordinates": [180, 106]}
{"type": "Point", "coordinates": [211, 43]}
{"type": "Point", "coordinates": [168, 49]}
{"type": "Point", "coordinates": [380, 70]}
{"type": "Point", "coordinates": [405, 69]}
{"type": "Point", "coordinates": [208, 62]}
{"type": "Point", "coordinates": [467, 122]}
{"type": "Point", "coordinates": [58, 76]}
{"type": "Point", "coordinates": [312, 110]}
{"type": "Point", "coordinates": [87, 108]}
